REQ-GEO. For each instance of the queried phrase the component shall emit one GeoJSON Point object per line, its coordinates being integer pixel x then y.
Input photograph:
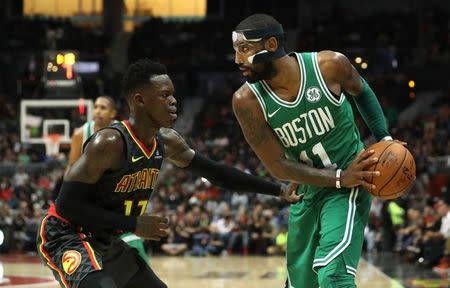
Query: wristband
{"type": "Point", "coordinates": [338, 178]}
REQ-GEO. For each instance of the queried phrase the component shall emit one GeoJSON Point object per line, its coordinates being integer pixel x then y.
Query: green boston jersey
{"type": "Point", "coordinates": [317, 128]}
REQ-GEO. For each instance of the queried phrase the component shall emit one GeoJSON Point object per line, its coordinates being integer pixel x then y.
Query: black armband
{"type": "Point", "coordinates": [231, 178]}
{"type": "Point", "coordinates": [76, 203]}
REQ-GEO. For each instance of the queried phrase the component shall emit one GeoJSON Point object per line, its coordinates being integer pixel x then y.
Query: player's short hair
{"type": "Point", "coordinates": [111, 101]}
{"type": "Point", "coordinates": [257, 21]}
{"type": "Point", "coordinates": [139, 74]}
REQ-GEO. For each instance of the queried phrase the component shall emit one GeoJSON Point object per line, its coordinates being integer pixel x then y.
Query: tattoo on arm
{"type": "Point", "coordinates": [254, 129]}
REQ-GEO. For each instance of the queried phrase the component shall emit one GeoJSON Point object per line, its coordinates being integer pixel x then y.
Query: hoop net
{"type": "Point", "coordinates": [52, 142]}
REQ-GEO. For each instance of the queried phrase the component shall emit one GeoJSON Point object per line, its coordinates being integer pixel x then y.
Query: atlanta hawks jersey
{"type": "Point", "coordinates": [127, 191]}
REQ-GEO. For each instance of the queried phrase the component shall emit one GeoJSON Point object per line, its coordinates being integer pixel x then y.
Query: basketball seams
{"type": "Point", "coordinates": [376, 165]}
{"type": "Point", "coordinates": [409, 185]}
{"type": "Point", "coordinates": [394, 174]}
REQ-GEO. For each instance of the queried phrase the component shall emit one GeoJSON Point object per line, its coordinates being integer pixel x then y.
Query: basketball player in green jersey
{"type": "Point", "coordinates": [104, 114]}
{"type": "Point", "coordinates": [295, 114]}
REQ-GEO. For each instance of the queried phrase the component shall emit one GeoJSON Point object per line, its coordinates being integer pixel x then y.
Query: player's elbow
{"type": "Point", "coordinates": [68, 205]}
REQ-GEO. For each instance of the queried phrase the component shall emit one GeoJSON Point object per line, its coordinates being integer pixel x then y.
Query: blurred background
{"type": "Point", "coordinates": [57, 56]}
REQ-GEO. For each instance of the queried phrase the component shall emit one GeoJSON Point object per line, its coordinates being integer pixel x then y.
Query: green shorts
{"type": "Point", "coordinates": [326, 234]}
{"type": "Point", "coordinates": [135, 242]}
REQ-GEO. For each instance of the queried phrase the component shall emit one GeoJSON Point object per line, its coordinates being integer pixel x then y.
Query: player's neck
{"type": "Point", "coordinates": [287, 73]}
{"type": "Point", "coordinates": [142, 130]}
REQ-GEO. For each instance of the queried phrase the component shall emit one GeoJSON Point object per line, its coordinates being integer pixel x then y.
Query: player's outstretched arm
{"type": "Point", "coordinates": [76, 200]}
{"type": "Point", "coordinates": [179, 153]}
{"type": "Point", "coordinates": [266, 146]}
{"type": "Point", "coordinates": [340, 75]}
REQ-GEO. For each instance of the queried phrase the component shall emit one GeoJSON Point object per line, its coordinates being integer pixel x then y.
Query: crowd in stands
{"type": "Point", "coordinates": [207, 220]}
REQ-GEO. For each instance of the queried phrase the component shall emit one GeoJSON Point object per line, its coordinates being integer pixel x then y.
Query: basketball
{"type": "Point", "coordinates": [397, 170]}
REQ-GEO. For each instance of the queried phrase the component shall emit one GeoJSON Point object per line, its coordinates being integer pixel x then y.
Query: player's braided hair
{"type": "Point", "coordinates": [139, 74]}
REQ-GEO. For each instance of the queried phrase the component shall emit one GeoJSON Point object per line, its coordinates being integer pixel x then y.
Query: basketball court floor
{"type": "Point", "coordinates": [217, 272]}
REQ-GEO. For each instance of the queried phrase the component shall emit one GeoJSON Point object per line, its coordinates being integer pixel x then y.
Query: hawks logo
{"type": "Point", "coordinates": [71, 260]}
{"type": "Point", "coordinates": [313, 94]}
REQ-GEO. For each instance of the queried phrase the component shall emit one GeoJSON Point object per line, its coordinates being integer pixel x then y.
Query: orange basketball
{"type": "Point", "coordinates": [397, 170]}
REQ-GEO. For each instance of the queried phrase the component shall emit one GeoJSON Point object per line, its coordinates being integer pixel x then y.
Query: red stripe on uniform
{"type": "Point", "coordinates": [52, 212]}
{"type": "Point", "coordinates": [91, 254]}
{"type": "Point", "coordinates": [46, 256]}
{"type": "Point", "coordinates": [147, 152]}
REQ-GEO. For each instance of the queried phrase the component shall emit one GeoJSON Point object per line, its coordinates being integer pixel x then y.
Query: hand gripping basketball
{"type": "Point", "coordinates": [397, 169]}
{"type": "Point", "coordinates": [355, 175]}
{"type": "Point", "coordinates": [151, 227]}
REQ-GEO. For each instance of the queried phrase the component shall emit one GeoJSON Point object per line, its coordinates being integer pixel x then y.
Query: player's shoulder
{"type": "Point", "coordinates": [332, 63]}
{"type": "Point", "coordinates": [329, 57]}
{"type": "Point", "coordinates": [170, 137]}
{"type": "Point", "coordinates": [106, 141]}
{"type": "Point", "coordinates": [243, 95]}
{"type": "Point", "coordinates": [168, 134]}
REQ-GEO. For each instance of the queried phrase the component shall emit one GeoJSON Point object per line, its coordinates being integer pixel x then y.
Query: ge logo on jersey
{"type": "Point", "coordinates": [313, 94]}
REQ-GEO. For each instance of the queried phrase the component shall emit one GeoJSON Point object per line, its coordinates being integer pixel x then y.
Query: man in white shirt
{"type": "Point", "coordinates": [443, 236]}
{"type": "Point", "coordinates": [444, 211]}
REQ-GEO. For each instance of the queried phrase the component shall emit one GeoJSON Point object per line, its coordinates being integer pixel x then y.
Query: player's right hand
{"type": "Point", "coordinates": [355, 175]}
{"type": "Point", "coordinates": [152, 227]}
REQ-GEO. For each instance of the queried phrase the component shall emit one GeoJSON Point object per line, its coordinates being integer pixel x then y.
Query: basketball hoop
{"type": "Point", "coordinates": [52, 142]}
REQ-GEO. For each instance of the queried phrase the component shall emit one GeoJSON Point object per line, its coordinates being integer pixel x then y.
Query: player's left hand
{"type": "Point", "coordinates": [399, 142]}
{"type": "Point", "coordinates": [288, 193]}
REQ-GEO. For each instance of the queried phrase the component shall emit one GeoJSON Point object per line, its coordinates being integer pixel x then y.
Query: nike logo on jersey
{"type": "Point", "coordinates": [273, 113]}
{"type": "Point", "coordinates": [133, 159]}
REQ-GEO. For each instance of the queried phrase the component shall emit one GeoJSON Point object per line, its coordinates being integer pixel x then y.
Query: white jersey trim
{"type": "Point", "coordinates": [322, 83]}
{"type": "Point", "coordinates": [301, 89]}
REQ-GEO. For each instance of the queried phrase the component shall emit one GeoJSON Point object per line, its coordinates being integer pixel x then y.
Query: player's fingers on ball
{"type": "Point", "coordinates": [368, 186]}
{"type": "Point", "coordinates": [369, 161]}
{"type": "Point", "coordinates": [401, 142]}
{"type": "Point", "coordinates": [369, 174]}
{"type": "Point", "coordinates": [360, 155]}
{"type": "Point", "coordinates": [367, 153]}
{"type": "Point", "coordinates": [364, 154]}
